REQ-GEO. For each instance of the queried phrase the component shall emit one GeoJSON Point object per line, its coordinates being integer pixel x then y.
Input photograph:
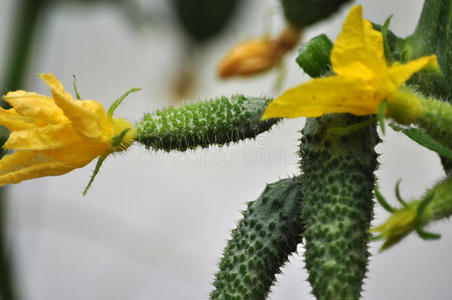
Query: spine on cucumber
{"type": "Point", "coordinates": [337, 179]}
{"type": "Point", "coordinates": [217, 121]}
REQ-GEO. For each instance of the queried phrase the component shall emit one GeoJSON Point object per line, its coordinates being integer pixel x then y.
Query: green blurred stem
{"type": "Point", "coordinates": [26, 19]}
{"type": "Point", "coordinates": [427, 28]}
{"type": "Point", "coordinates": [433, 35]}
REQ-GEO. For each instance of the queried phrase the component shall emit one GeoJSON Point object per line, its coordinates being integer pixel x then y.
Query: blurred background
{"type": "Point", "coordinates": [153, 225]}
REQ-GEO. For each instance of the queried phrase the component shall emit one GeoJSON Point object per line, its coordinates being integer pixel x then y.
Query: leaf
{"type": "Point", "coordinates": [384, 33]}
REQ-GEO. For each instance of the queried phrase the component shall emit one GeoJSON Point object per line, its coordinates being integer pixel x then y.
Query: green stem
{"type": "Point", "coordinates": [433, 35]}
{"type": "Point", "coordinates": [436, 119]}
{"type": "Point", "coordinates": [427, 28]}
{"type": "Point", "coordinates": [430, 114]}
{"type": "Point", "coordinates": [27, 18]}
{"type": "Point", "coordinates": [7, 290]}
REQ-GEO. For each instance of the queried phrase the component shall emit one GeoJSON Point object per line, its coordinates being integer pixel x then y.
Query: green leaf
{"type": "Point", "coordinates": [384, 33]}
{"type": "Point", "coordinates": [424, 139]}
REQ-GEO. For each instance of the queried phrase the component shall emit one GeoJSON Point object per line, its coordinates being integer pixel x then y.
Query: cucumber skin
{"type": "Point", "coordinates": [219, 121]}
{"type": "Point", "coordinates": [338, 181]}
{"type": "Point", "coordinates": [302, 13]}
{"type": "Point", "coordinates": [203, 19]}
{"type": "Point", "coordinates": [269, 232]}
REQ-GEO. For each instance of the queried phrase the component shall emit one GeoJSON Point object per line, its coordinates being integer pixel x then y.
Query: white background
{"type": "Point", "coordinates": [153, 225]}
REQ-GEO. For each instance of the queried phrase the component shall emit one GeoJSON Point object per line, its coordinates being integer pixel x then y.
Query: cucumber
{"type": "Point", "coordinates": [203, 19]}
{"type": "Point", "coordinates": [217, 121]}
{"type": "Point", "coordinates": [338, 180]}
{"type": "Point", "coordinates": [269, 232]}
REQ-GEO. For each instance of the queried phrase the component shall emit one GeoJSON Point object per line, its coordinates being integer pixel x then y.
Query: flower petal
{"type": "Point", "coordinates": [42, 108]}
{"type": "Point", "coordinates": [17, 160]}
{"type": "Point", "coordinates": [43, 138]}
{"type": "Point", "coordinates": [399, 73]}
{"type": "Point", "coordinates": [24, 165]}
{"type": "Point", "coordinates": [334, 94]}
{"type": "Point", "coordinates": [79, 154]}
{"type": "Point", "coordinates": [14, 121]}
{"type": "Point", "coordinates": [358, 50]}
{"type": "Point", "coordinates": [88, 117]}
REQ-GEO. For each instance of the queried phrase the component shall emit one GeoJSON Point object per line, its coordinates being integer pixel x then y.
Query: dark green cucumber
{"type": "Point", "coordinates": [269, 232]}
{"type": "Point", "coordinates": [314, 56]}
{"type": "Point", "coordinates": [214, 122]}
{"type": "Point", "coordinates": [302, 13]}
{"type": "Point", "coordinates": [202, 19]}
{"type": "Point", "coordinates": [338, 180]}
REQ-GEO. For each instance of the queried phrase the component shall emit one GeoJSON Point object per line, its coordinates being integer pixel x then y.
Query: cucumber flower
{"type": "Point", "coordinates": [362, 81]}
{"type": "Point", "coordinates": [54, 135]}
{"type": "Point", "coordinates": [258, 55]}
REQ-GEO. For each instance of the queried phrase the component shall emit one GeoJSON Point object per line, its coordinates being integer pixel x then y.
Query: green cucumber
{"type": "Point", "coordinates": [338, 180]}
{"type": "Point", "coordinates": [202, 19]}
{"type": "Point", "coordinates": [302, 13]}
{"type": "Point", "coordinates": [218, 121]}
{"type": "Point", "coordinates": [269, 232]}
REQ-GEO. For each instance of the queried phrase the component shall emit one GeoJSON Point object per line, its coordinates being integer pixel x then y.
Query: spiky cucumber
{"type": "Point", "coordinates": [337, 179]}
{"type": "Point", "coordinates": [218, 121]}
{"type": "Point", "coordinates": [269, 232]}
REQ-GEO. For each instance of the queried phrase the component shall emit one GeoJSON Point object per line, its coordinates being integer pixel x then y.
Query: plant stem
{"type": "Point", "coordinates": [26, 20]}
{"type": "Point", "coordinates": [433, 35]}
{"type": "Point", "coordinates": [428, 27]}
{"type": "Point", "coordinates": [18, 56]}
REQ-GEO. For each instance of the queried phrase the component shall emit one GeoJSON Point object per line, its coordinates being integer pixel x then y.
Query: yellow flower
{"type": "Point", "coordinates": [363, 78]}
{"type": "Point", "coordinates": [399, 225]}
{"type": "Point", "coordinates": [55, 135]}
